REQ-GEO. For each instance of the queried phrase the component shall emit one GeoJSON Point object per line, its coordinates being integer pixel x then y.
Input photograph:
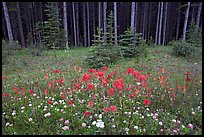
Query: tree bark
{"type": "Point", "coordinates": [8, 24]}
{"type": "Point", "coordinates": [104, 21]}
{"type": "Point", "coordinates": [99, 15]}
{"type": "Point", "coordinates": [84, 25]}
{"type": "Point", "coordinates": [178, 22]}
{"type": "Point", "coordinates": [88, 23]}
{"type": "Point", "coordinates": [115, 24]}
{"type": "Point", "coordinates": [20, 25]}
{"type": "Point", "coordinates": [157, 29]}
{"type": "Point", "coordinates": [132, 16]}
{"type": "Point", "coordinates": [77, 22]}
{"type": "Point", "coordinates": [165, 18]}
{"type": "Point", "coordinates": [198, 15]}
{"type": "Point", "coordinates": [186, 22]}
{"type": "Point", "coordinates": [74, 21]}
{"type": "Point", "coordinates": [94, 24]}
{"type": "Point", "coordinates": [136, 7]}
{"type": "Point", "coordinates": [160, 24]}
{"type": "Point", "coordinates": [65, 24]}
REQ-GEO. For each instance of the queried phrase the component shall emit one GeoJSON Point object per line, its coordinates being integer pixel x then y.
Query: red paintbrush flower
{"type": "Point", "coordinates": [113, 109]}
{"type": "Point", "coordinates": [87, 113]}
{"type": "Point", "coordinates": [146, 102]}
{"type": "Point", "coordinates": [86, 77]}
{"type": "Point", "coordinates": [111, 92]}
{"type": "Point", "coordinates": [50, 101]}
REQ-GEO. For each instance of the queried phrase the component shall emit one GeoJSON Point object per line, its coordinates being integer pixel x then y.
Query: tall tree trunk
{"type": "Point", "coordinates": [149, 20]}
{"type": "Point", "coordinates": [74, 21]}
{"type": "Point", "coordinates": [104, 21]}
{"type": "Point", "coordinates": [77, 22]}
{"type": "Point", "coordinates": [8, 24]}
{"type": "Point", "coordinates": [4, 28]}
{"type": "Point", "coordinates": [94, 24]}
{"type": "Point", "coordinates": [165, 18]}
{"type": "Point", "coordinates": [178, 21]}
{"type": "Point", "coordinates": [198, 15]}
{"type": "Point", "coordinates": [144, 21]}
{"type": "Point", "coordinates": [115, 24]}
{"type": "Point", "coordinates": [160, 24]}
{"type": "Point", "coordinates": [136, 7]}
{"type": "Point", "coordinates": [186, 21]}
{"type": "Point", "coordinates": [84, 25]}
{"type": "Point", "coordinates": [88, 23]}
{"type": "Point", "coordinates": [99, 15]}
{"type": "Point", "coordinates": [65, 24]}
{"type": "Point", "coordinates": [157, 29]}
{"type": "Point", "coordinates": [20, 25]}
{"type": "Point", "coordinates": [132, 17]}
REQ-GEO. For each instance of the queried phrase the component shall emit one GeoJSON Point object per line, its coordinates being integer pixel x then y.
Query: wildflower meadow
{"type": "Point", "coordinates": [120, 101]}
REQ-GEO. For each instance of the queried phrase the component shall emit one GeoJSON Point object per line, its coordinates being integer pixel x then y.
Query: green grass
{"type": "Point", "coordinates": [23, 70]}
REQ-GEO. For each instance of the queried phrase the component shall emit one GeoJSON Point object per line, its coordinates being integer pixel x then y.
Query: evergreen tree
{"type": "Point", "coordinates": [53, 34]}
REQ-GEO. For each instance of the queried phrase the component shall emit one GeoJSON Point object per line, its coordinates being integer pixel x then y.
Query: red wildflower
{"type": "Point", "coordinates": [4, 95]}
{"type": "Point", "coordinates": [45, 92]}
{"type": "Point", "coordinates": [172, 95]}
{"type": "Point", "coordinates": [90, 104]}
{"type": "Point", "coordinates": [178, 87]}
{"type": "Point", "coordinates": [90, 86]}
{"type": "Point", "coordinates": [105, 68]}
{"type": "Point", "coordinates": [129, 71]}
{"type": "Point", "coordinates": [50, 101]}
{"type": "Point", "coordinates": [105, 109]}
{"type": "Point", "coordinates": [184, 88]}
{"type": "Point", "coordinates": [105, 81]}
{"type": "Point", "coordinates": [86, 77]}
{"type": "Point", "coordinates": [100, 73]}
{"type": "Point", "coordinates": [188, 78]}
{"type": "Point", "coordinates": [162, 69]}
{"type": "Point", "coordinates": [92, 97]}
{"type": "Point", "coordinates": [63, 96]}
{"type": "Point", "coordinates": [110, 76]}
{"type": "Point", "coordinates": [119, 84]}
{"type": "Point", "coordinates": [132, 95]}
{"type": "Point", "coordinates": [18, 92]}
{"type": "Point", "coordinates": [111, 92]}
{"type": "Point", "coordinates": [87, 113]}
{"type": "Point", "coordinates": [15, 88]}
{"type": "Point", "coordinates": [31, 91]}
{"type": "Point", "coordinates": [92, 70]}
{"type": "Point", "coordinates": [56, 71]}
{"type": "Point", "coordinates": [113, 109]}
{"type": "Point", "coordinates": [136, 74]}
{"type": "Point", "coordinates": [71, 102]}
{"type": "Point", "coordinates": [47, 76]}
{"type": "Point", "coordinates": [146, 102]}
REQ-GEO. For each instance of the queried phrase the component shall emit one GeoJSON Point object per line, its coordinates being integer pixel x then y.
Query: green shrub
{"type": "Point", "coordinates": [132, 45]}
{"type": "Point", "coordinates": [194, 35]}
{"type": "Point", "coordinates": [182, 48]}
{"type": "Point", "coordinates": [100, 56]}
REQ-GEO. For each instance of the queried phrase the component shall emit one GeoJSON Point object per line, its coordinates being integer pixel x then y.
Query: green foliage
{"type": "Point", "coordinates": [52, 33]}
{"type": "Point", "coordinates": [194, 35]}
{"type": "Point", "coordinates": [132, 44]}
{"type": "Point", "coordinates": [100, 56]}
{"type": "Point", "coordinates": [110, 29]}
{"type": "Point", "coordinates": [99, 41]}
{"type": "Point", "coordinates": [182, 48]}
{"type": "Point", "coordinates": [8, 49]}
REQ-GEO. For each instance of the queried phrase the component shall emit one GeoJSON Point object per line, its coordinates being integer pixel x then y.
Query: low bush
{"type": "Point", "coordinates": [182, 48]}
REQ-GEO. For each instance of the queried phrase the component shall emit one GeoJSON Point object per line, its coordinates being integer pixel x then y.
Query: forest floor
{"type": "Point", "coordinates": [38, 90]}
{"type": "Point", "coordinates": [24, 63]}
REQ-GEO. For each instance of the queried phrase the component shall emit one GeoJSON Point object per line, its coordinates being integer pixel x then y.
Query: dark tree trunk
{"type": "Point", "coordinates": [84, 24]}
{"type": "Point", "coordinates": [20, 25]}
{"type": "Point", "coordinates": [178, 22]}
